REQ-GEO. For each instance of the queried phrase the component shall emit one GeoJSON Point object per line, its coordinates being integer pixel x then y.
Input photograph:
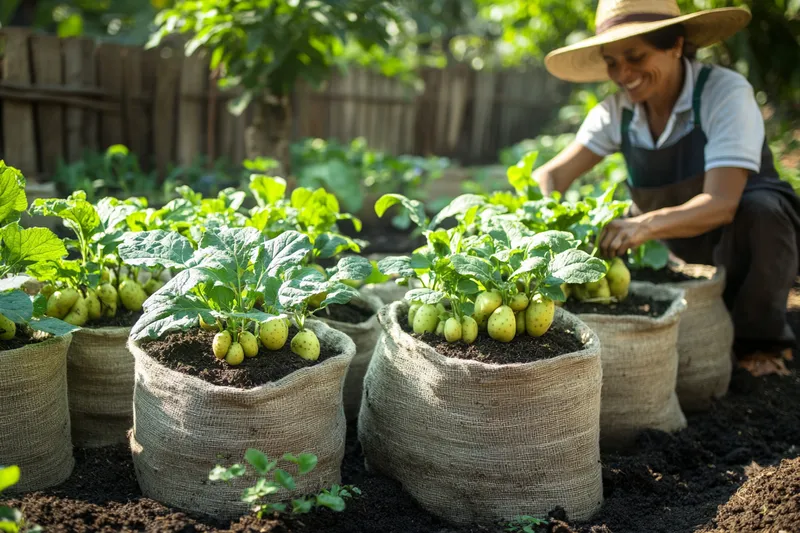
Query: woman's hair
{"type": "Point", "coordinates": [667, 38]}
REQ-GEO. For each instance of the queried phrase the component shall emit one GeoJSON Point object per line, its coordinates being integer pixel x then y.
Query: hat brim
{"type": "Point", "coordinates": [582, 62]}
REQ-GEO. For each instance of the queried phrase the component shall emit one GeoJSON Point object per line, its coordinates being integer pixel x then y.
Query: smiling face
{"type": "Point", "coordinates": [640, 69]}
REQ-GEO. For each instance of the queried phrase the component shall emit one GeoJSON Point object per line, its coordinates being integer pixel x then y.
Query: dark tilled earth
{"type": "Point", "coordinates": [671, 484]}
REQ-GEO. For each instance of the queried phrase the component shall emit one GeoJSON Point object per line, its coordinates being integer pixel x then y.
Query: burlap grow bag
{"type": "Point", "coordinates": [476, 442]}
{"type": "Point", "coordinates": [389, 291]}
{"type": "Point", "coordinates": [364, 335]}
{"type": "Point", "coordinates": [34, 413]}
{"type": "Point", "coordinates": [705, 339]}
{"type": "Point", "coordinates": [185, 426]}
{"type": "Point", "coordinates": [100, 371]}
{"type": "Point", "coordinates": [640, 369]}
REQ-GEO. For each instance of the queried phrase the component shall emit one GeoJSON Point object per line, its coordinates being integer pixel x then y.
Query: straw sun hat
{"type": "Point", "coordinates": [620, 19]}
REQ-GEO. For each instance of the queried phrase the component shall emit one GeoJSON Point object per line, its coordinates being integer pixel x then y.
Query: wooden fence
{"type": "Point", "coordinates": [59, 97]}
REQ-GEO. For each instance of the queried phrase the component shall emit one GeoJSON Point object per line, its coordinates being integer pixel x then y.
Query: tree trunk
{"type": "Point", "coordinates": [269, 133]}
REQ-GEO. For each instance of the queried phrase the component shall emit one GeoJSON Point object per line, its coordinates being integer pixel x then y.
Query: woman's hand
{"type": "Point", "coordinates": [623, 234]}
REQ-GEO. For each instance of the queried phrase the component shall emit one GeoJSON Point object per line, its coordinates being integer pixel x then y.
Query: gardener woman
{"type": "Point", "coordinates": [700, 173]}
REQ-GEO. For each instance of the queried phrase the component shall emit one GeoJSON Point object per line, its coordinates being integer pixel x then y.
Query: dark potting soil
{"type": "Point", "coordinates": [123, 319]}
{"type": "Point", "coordinates": [523, 349]}
{"type": "Point", "coordinates": [190, 352]}
{"type": "Point", "coordinates": [768, 501]}
{"type": "Point", "coordinates": [669, 484]}
{"type": "Point", "coordinates": [350, 314]}
{"type": "Point", "coordinates": [665, 275]}
{"type": "Point", "coordinates": [634, 304]}
{"type": "Point", "coordinates": [20, 340]}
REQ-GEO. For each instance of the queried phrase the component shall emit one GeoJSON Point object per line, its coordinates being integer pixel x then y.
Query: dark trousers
{"type": "Point", "coordinates": [759, 251]}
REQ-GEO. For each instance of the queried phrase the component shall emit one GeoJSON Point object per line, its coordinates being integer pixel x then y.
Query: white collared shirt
{"type": "Point", "coordinates": [729, 115]}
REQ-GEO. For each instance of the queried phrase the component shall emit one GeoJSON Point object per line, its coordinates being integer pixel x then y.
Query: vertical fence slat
{"type": "Point", "coordinates": [168, 71]}
{"type": "Point", "coordinates": [74, 78]}
{"type": "Point", "coordinates": [47, 70]}
{"type": "Point", "coordinates": [19, 132]}
{"type": "Point", "coordinates": [134, 104]}
{"type": "Point", "coordinates": [109, 69]}
{"type": "Point", "coordinates": [191, 107]}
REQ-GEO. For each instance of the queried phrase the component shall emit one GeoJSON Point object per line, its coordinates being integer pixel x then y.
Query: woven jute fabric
{"type": "Point", "coordinates": [705, 339]}
{"type": "Point", "coordinates": [364, 335]}
{"type": "Point", "coordinates": [100, 375]}
{"type": "Point", "coordinates": [640, 369]}
{"type": "Point", "coordinates": [476, 442]}
{"type": "Point", "coordinates": [34, 413]}
{"type": "Point", "coordinates": [185, 426]}
{"type": "Point", "coordinates": [388, 291]}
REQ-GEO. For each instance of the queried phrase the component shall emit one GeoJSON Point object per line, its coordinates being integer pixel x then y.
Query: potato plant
{"type": "Point", "coordinates": [22, 249]}
{"type": "Point", "coordinates": [504, 280]}
{"type": "Point", "coordinates": [239, 283]}
{"type": "Point", "coordinates": [95, 284]}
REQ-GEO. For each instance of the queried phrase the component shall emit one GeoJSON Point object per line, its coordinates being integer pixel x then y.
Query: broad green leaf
{"type": "Point", "coordinates": [77, 213]}
{"type": "Point", "coordinates": [537, 265]}
{"type": "Point", "coordinates": [356, 268]}
{"type": "Point", "coordinates": [157, 248]}
{"type": "Point", "coordinates": [302, 506]}
{"type": "Point", "coordinates": [230, 249]}
{"type": "Point", "coordinates": [22, 248]}
{"type": "Point", "coordinates": [341, 294]}
{"type": "Point", "coordinates": [114, 212]}
{"type": "Point", "coordinates": [468, 287]}
{"type": "Point", "coordinates": [9, 476]}
{"type": "Point", "coordinates": [165, 313]}
{"type": "Point", "coordinates": [184, 281]}
{"type": "Point", "coordinates": [397, 265]}
{"type": "Point", "coordinates": [296, 291]}
{"type": "Point", "coordinates": [557, 241]}
{"type": "Point", "coordinates": [16, 306]}
{"type": "Point", "coordinates": [335, 503]}
{"type": "Point", "coordinates": [475, 267]}
{"type": "Point", "coordinates": [306, 462]}
{"type": "Point", "coordinates": [553, 292]}
{"type": "Point", "coordinates": [420, 262]}
{"type": "Point", "coordinates": [576, 266]}
{"type": "Point", "coordinates": [53, 326]}
{"type": "Point", "coordinates": [258, 460]}
{"type": "Point", "coordinates": [652, 254]}
{"type": "Point", "coordinates": [13, 201]}
{"type": "Point", "coordinates": [283, 251]}
{"type": "Point", "coordinates": [285, 479]}
{"type": "Point", "coordinates": [427, 296]}
{"type": "Point", "coordinates": [416, 211]}
{"type": "Point", "coordinates": [460, 205]}
{"type": "Point", "coordinates": [330, 245]}
{"type": "Point", "coordinates": [376, 276]}
{"type": "Point", "coordinates": [334, 175]}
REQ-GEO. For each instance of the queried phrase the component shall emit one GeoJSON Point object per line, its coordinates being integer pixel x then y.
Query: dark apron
{"type": "Point", "coordinates": [671, 176]}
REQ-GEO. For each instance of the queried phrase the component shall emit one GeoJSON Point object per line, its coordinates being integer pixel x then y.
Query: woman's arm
{"type": "Point", "coordinates": [714, 207]}
{"type": "Point", "coordinates": [561, 171]}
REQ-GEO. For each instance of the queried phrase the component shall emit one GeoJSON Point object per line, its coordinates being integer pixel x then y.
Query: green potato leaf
{"type": "Point", "coordinates": [474, 267]}
{"type": "Point", "coordinates": [156, 248]}
{"type": "Point", "coordinates": [576, 266]}
{"type": "Point", "coordinates": [16, 306]}
{"type": "Point", "coordinates": [13, 200]}
{"type": "Point", "coordinates": [427, 296]}
{"type": "Point", "coordinates": [356, 268]}
{"type": "Point", "coordinates": [397, 266]}
{"type": "Point", "coordinates": [22, 248]}
{"type": "Point", "coordinates": [416, 211]}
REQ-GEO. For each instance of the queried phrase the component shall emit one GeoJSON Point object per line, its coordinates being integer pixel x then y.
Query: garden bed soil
{"type": "Point", "coordinates": [665, 275]}
{"type": "Point", "coordinates": [634, 304]}
{"type": "Point", "coordinates": [768, 501]}
{"type": "Point", "coordinates": [189, 352]}
{"type": "Point", "coordinates": [20, 340]}
{"type": "Point", "coordinates": [671, 483]}
{"type": "Point", "coordinates": [523, 349]}
{"type": "Point", "coordinates": [351, 314]}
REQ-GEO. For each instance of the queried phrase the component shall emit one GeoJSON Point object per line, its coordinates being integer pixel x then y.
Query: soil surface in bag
{"type": "Point", "coordinates": [123, 319]}
{"type": "Point", "coordinates": [523, 349]}
{"type": "Point", "coordinates": [351, 314]}
{"type": "Point", "coordinates": [20, 340]}
{"type": "Point", "coordinates": [189, 352]}
{"type": "Point", "coordinates": [668, 484]}
{"type": "Point", "coordinates": [665, 275]}
{"type": "Point", "coordinates": [634, 304]}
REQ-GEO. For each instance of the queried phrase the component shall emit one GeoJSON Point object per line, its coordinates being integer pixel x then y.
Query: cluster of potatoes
{"type": "Point", "coordinates": [272, 334]}
{"type": "Point", "coordinates": [613, 287]}
{"type": "Point", "coordinates": [502, 321]}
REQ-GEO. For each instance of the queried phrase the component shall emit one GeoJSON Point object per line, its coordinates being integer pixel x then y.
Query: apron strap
{"type": "Point", "coordinates": [698, 90]}
{"type": "Point", "coordinates": [625, 127]}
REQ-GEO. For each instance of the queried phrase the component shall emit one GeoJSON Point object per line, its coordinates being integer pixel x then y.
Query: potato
{"type": "Point", "coordinates": [502, 325]}
{"type": "Point", "coordinates": [61, 301]}
{"type": "Point", "coordinates": [306, 345]}
{"type": "Point", "coordinates": [93, 304]}
{"type": "Point", "coordinates": [235, 354]}
{"type": "Point", "coordinates": [520, 317]}
{"type": "Point", "coordinates": [222, 342]}
{"type": "Point", "coordinates": [440, 327]}
{"type": "Point", "coordinates": [412, 310]}
{"type": "Point", "coordinates": [79, 313]}
{"type": "Point", "coordinates": [452, 330]}
{"type": "Point", "coordinates": [273, 333]}
{"type": "Point", "coordinates": [132, 295]}
{"type": "Point", "coordinates": [539, 315]}
{"type": "Point", "coordinates": [487, 302]}
{"type": "Point", "coordinates": [47, 290]}
{"type": "Point", "coordinates": [519, 302]}
{"type": "Point", "coordinates": [440, 307]}
{"type": "Point", "coordinates": [426, 319]}
{"type": "Point", "coordinates": [152, 286]}
{"type": "Point", "coordinates": [619, 279]}
{"type": "Point", "coordinates": [602, 292]}
{"type": "Point", "coordinates": [7, 328]}
{"type": "Point", "coordinates": [469, 329]}
{"type": "Point", "coordinates": [249, 343]}
{"type": "Point", "coordinates": [579, 292]}
{"type": "Point", "coordinates": [481, 321]}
